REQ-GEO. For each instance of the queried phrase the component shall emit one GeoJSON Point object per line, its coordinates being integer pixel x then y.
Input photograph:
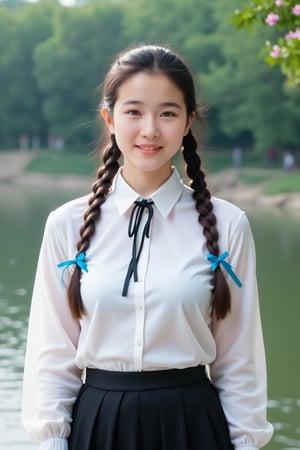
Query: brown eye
{"type": "Point", "coordinates": [169, 114]}
{"type": "Point", "coordinates": [133, 112]}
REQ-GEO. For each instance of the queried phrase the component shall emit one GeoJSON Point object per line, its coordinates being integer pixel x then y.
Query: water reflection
{"type": "Point", "coordinates": [23, 213]}
{"type": "Point", "coordinates": [12, 344]}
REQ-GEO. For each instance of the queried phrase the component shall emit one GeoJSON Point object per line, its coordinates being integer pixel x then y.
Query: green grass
{"type": "Point", "coordinates": [255, 170]}
{"type": "Point", "coordinates": [286, 183]}
{"type": "Point", "coordinates": [83, 163]}
{"type": "Point", "coordinates": [63, 163]}
{"type": "Point", "coordinates": [253, 178]}
{"type": "Point", "coordinates": [217, 161]}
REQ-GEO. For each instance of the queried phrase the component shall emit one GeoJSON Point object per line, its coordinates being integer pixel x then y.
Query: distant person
{"type": "Point", "coordinates": [36, 143]}
{"type": "Point", "coordinates": [237, 157]}
{"type": "Point", "coordinates": [24, 142]}
{"type": "Point", "coordinates": [289, 163]}
{"type": "Point", "coordinates": [160, 283]}
{"type": "Point", "coordinates": [272, 155]}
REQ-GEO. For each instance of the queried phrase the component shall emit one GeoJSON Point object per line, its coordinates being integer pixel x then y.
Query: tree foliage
{"type": "Point", "coordinates": [70, 64]}
{"type": "Point", "coordinates": [284, 16]}
{"type": "Point", "coordinates": [246, 94]}
{"type": "Point", "coordinates": [52, 58]}
{"type": "Point", "coordinates": [21, 99]}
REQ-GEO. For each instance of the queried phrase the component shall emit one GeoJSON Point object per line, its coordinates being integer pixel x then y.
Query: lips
{"type": "Point", "coordinates": [148, 148]}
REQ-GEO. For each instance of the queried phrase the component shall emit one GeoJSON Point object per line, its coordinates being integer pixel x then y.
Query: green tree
{"type": "Point", "coordinates": [250, 103]}
{"type": "Point", "coordinates": [71, 63]}
{"type": "Point", "coordinates": [185, 25]}
{"type": "Point", "coordinates": [247, 103]}
{"type": "Point", "coordinates": [284, 15]}
{"type": "Point", "coordinates": [53, 58]}
{"type": "Point", "coordinates": [21, 29]}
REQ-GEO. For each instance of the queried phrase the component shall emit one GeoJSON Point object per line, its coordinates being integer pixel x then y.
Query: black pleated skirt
{"type": "Point", "coordinates": [177, 409]}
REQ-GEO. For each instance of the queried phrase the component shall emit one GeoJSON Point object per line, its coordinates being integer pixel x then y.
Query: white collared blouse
{"type": "Point", "coordinates": [164, 322]}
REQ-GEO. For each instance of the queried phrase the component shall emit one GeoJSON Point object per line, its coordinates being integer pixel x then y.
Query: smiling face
{"type": "Point", "coordinates": [149, 121]}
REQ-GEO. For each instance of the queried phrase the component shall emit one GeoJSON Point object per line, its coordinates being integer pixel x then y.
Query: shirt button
{"type": "Point", "coordinates": [140, 308]}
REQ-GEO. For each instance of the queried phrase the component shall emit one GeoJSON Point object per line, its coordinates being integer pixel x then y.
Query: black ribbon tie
{"type": "Point", "coordinates": [133, 228]}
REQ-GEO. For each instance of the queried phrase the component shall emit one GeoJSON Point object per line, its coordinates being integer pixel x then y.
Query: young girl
{"type": "Point", "coordinates": [143, 286]}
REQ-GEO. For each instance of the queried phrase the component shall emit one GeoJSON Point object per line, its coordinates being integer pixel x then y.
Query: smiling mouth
{"type": "Point", "coordinates": [148, 148]}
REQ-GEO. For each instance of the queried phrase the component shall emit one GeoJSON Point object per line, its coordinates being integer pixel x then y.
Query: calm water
{"type": "Point", "coordinates": [22, 217]}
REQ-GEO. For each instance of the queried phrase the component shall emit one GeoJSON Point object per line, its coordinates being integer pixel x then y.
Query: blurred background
{"type": "Point", "coordinates": [53, 56]}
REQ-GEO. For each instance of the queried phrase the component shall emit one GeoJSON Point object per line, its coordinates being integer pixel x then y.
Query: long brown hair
{"type": "Point", "coordinates": [152, 59]}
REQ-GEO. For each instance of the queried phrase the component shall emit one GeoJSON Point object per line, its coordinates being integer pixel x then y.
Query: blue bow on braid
{"type": "Point", "coordinates": [217, 260]}
{"type": "Point", "coordinates": [79, 261]}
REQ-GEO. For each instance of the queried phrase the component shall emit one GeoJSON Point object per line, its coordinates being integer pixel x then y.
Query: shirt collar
{"type": "Point", "coordinates": [164, 197]}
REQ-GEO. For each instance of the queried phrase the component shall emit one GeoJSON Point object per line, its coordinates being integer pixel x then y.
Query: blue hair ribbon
{"type": "Point", "coordinates": [217, 260]}
{"type": "Point", "coordinates": [80, 261]}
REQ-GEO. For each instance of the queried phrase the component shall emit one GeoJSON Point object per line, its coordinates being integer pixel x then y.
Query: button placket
{"type": "Point", "coordinates": [139, 298]}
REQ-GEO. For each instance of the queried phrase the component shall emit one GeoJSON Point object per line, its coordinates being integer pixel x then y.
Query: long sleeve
{"type": "Point", "coordinates": [239, 371]}
{"type": "Point", "coordinates": [51, 378]}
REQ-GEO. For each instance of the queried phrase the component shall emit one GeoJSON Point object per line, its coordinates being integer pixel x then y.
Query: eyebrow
{"type": "Point", "coordinates": [164, 104]}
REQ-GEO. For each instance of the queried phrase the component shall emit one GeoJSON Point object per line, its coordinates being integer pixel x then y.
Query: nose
{"type": "Point", "coordinates": [150, 128]}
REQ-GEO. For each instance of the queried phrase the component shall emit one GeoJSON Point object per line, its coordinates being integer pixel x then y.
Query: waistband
{"type": "Point", "coordinates": [148, 380]}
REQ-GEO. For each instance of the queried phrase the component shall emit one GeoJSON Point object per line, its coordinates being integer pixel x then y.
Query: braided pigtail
{"type": "Point", "coordinates": [105, 175]}
{"type": "Point", "coordinates": [204, 206]}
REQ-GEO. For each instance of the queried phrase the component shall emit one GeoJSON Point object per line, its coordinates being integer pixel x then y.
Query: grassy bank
{"type": "Point", "coordinates": [52, 162]}
{"type": "Point", "coordinates": [219, 160]}
{"type": "Point", "coordinates": [254, 171]}
{"type": "Point", "coordinates": [286, 184]}
{"type": "Point", "coordinates": [273, 181]}
{"type": "Point", "coordinates": [83, 162]}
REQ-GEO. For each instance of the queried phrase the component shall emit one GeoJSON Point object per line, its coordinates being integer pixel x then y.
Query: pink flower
{"type": "Point", "coordinates": [275, 53]}
{"type": "Point", "coordinates": [296, 10]}
{"type": "Point", "coordinates": [272, 19]}
{"type": "Point", "coordinates": [293, 34]}
{"type": "Point", "coordinates": [279, 3]}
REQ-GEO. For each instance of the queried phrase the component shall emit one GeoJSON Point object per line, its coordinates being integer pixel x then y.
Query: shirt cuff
{"type": "Point", "coordinates": [246, 448]}
{"type": "Point", "coordinates": [54, 444]}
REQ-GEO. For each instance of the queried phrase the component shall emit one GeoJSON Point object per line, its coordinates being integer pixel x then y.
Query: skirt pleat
{"type": "Point", "coordinates": [106, 424]}
{"type": "Point", "coordinates": [183, 417]}
{"type": "Point", "coordinates": [206, 422]}
{"type": "Point", "coordinates": [148, 419]}
{"type": "Point", "coordinates": [174, 434]}
{"type": "Point", "coordinates": [128, 416]}
{"type": "Point", "coordinates": [85, 415]}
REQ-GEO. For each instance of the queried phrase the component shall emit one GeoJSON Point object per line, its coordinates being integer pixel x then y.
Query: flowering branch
{"type": "Point", "coordinates": [285, 16]}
